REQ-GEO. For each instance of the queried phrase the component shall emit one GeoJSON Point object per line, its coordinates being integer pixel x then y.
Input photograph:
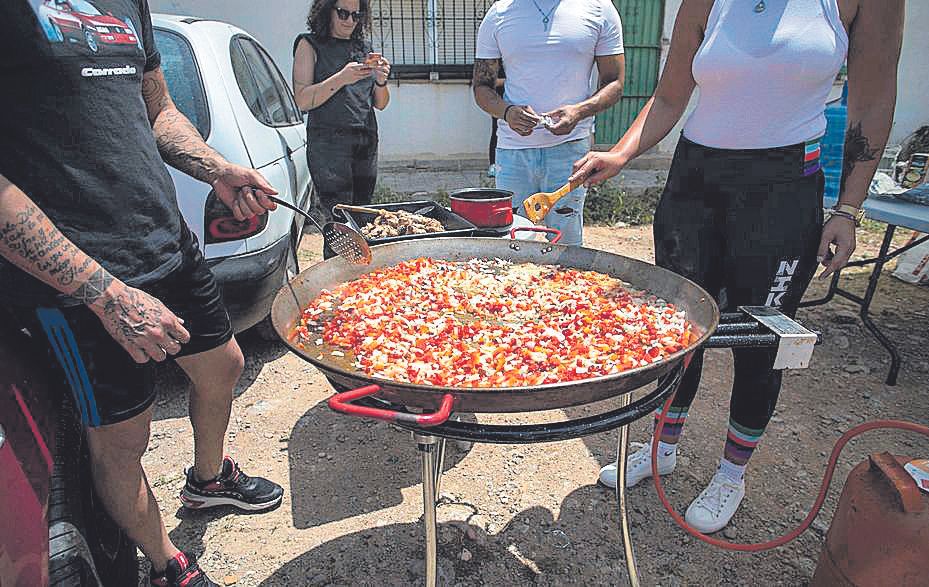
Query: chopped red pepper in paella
{"type": "Point", "coordinates": [490, 323]}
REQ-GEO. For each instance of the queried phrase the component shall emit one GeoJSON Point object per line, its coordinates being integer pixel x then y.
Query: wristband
{"type": "Point", "coordinates": [844, 214]}
{"type": "Point", "coordinates": [506, 111]}
{"type": "Point", "coordinates": [847, 208]}
{"type": "Point", "coordinates": [380, 85]}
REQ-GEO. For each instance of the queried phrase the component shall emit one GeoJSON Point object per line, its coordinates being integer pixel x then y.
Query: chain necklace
{"type": "Point", "coordinates": [546, 16]}
{"type": "Point", "coordinates": [760, 7]}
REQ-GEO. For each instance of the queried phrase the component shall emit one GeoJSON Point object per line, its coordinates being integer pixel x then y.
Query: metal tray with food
{"type": "Point", "coordinates": [452, 224]}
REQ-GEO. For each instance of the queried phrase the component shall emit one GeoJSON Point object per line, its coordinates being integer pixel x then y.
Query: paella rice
{"type": "Point", "coordinates": [490, 323]}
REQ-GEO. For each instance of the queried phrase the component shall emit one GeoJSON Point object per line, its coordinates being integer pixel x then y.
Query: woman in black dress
{"type": "Point", "coordinates": [338, 81]}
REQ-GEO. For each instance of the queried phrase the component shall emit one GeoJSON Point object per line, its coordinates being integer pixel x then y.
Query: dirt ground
{"type": "Point", "coordinates": [533, 514]}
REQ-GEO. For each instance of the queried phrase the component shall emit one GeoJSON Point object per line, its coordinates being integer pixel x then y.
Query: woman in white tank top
{"type": "Point", "coordinates": [742, 213]}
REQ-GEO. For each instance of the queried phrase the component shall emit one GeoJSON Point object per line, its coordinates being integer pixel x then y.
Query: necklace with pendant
{"type": "Point", "coordinates": [546, 16]}
{"type": "Point", "coordinates": [760, 7]}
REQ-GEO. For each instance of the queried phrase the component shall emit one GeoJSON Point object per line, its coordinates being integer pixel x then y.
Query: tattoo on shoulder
{"type": "Point", "coordinates": [94, 287]}
{"type": "Point", "coordinates": [857, 149]}
{"type": "Point", "coordinates": [485, 72]}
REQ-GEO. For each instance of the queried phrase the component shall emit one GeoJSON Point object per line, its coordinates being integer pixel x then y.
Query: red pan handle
{"type": "Point", "coordinates": [341, 402]}
{"type": "Point", "coordinates": [544, 229]}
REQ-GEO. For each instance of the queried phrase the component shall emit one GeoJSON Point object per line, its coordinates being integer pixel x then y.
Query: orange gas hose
{"type": "Point", "coordinates": [817, 505]}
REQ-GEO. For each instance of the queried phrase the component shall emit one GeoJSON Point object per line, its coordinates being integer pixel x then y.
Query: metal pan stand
{"type": "Point", "coordinates": [756, 326]}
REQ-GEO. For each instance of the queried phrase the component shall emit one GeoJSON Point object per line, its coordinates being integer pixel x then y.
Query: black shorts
{"type": "Point", "coordinates": [107, 385]}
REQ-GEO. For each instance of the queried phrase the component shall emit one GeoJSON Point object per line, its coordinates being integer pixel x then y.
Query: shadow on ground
{"type": "Point", "coordinates": [533, 548]}
{"type": "Point", "coordinates": [364, 465]}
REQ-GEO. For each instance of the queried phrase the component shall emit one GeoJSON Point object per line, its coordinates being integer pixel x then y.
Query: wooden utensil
{"type": "Point", "coordinates": [361, 209]}
{"type": "Point", "coordinates": [538, 205]}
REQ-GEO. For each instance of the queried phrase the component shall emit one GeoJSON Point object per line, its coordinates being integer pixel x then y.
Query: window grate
{"type": "Point", "coordinates": [426, 37]}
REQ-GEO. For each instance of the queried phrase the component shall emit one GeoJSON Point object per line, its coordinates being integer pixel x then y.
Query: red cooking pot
{"type": "Point", "coordinates": [484, 207]}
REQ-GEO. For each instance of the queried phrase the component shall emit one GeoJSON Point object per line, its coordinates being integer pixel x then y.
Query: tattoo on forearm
{"type": "Point", "coordinates": [485, 73]}
{"type": "Point", "coordinates": [857, 149]}
{"type": "Point", "coordinates": [182, 147]}
{"type": "Point", "coordinates": [92, 289]}
{"type": "Point", "coordinates": [179, 143]}
{"type": "Point", "coordinates": [42, 248]}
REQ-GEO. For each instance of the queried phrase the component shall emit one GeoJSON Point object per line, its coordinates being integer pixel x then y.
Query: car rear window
{"type": "Point", "coordinates": [183, 77]}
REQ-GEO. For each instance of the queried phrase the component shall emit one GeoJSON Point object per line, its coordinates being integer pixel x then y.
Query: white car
{"type": "Point", "coordinates": [225, 82]}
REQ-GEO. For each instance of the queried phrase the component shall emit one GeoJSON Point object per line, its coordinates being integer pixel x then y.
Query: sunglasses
{"type": "Point", "coordinates": [344, 14]}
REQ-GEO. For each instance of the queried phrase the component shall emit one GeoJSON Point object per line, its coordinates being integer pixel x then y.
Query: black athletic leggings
{"type": "Point", "coordinates": [745, 225]}
{"type": "Point", "coordinates": [343, 165]}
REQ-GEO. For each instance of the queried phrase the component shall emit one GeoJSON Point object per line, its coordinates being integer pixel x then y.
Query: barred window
{"type": "Point", "coordinates": [428, 38]}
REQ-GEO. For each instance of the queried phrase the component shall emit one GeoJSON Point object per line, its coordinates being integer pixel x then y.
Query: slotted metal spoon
{"type": "Point", "coordinates": [344, 241]}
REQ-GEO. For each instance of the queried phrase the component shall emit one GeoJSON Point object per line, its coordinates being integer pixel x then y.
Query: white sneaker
{"type": "Point", "coordinates": [716, 504]}
{"type": "Point", "coordinates": [639, 466]}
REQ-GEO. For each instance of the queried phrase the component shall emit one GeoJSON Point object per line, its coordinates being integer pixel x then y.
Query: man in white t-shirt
{"type": "Point", "coordinates": [549, 48]}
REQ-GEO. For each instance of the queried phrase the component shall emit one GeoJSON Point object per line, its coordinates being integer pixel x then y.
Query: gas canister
{"type": "Point", "coordinates": [880, 533]}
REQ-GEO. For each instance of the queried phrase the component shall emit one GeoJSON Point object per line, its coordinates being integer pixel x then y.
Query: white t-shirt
{"type": "Point", "coordinates": [547, 69]}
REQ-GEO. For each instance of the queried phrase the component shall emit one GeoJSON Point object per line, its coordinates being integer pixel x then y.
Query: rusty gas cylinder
{"type": "Point", "coordinates": [880, 533]}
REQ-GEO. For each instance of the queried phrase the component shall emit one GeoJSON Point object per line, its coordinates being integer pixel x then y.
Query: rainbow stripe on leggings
{"type": "Point", "coordinates": [741, 443]}
{"type": "Point", "coordinates": [673, 424]}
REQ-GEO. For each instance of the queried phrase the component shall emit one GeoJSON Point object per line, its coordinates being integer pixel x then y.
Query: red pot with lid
{"type": "Point", "coordinates": [484, 207]}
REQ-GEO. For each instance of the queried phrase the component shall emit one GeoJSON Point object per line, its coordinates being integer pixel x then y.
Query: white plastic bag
{"type": "Point", "coordinates": [913, 265]}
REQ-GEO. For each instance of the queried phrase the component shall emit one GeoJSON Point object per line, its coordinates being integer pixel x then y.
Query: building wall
{"type": "Point", "coordinates": [424, 120]}
{"type": "Point", "coordinates": [439, 120]}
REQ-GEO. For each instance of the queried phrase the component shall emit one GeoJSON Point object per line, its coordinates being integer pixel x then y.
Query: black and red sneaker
{"type": "Point", "coordinates": [182, 571]}
{"type": "Point", "coordinates": [232, 487]}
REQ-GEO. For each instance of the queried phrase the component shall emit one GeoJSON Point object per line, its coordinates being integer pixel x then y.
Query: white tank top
{"type": "Point", "coordinates": [764, 75]}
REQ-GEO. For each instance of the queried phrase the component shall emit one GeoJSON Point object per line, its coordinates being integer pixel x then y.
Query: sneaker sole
{"type": "Point", "coordinates": [193, 501]}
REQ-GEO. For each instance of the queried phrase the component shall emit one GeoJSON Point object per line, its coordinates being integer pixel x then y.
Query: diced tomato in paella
{"type": "Point", "coordinates": [490, 323]}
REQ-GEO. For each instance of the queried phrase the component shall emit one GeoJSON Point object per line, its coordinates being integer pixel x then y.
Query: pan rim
{"type": "Point", "coordinates": [566, 386]}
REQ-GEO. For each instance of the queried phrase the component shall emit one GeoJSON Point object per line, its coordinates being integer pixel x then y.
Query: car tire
{"type": "Point", "coordinates": [265, 329]}
{"type": "Point", "coordinates": [90, 41]}
{"type": "Point", "coordinates": [85, 546]}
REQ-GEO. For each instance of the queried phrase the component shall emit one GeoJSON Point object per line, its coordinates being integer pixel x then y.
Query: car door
{"type": "Point", "coordinates": [280, 111]}
{"type": "Point", "coordinates": [294, 134]}
{"type": "Point", "coordinates": [265, 128]}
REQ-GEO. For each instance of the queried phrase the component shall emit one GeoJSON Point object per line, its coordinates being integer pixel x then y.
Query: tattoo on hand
{"type": "Point", "coordinates": [857, 149]}
{"type": "Point", "coordinates": [94, 287]}
{"type": "Point", "coordinates": [130, 314]}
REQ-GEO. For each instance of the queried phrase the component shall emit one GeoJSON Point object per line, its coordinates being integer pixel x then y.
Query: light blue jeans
{"type": "Point", "coordinates": [528, 171]}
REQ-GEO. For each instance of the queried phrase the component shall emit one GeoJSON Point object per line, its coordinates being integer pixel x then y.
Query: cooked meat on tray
{"type": "Point", "coordinates": [389, 223]}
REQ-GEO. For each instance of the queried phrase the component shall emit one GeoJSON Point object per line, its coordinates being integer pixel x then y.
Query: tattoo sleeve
{"type": "Point", "coordinates": [857, 150]}
{"type": "Point", "coordinates": [484, 81]}
{"type": "Point", "coordinates": [179, 143]}
{"type": "Point", "coordinates": [485, 73]}
{"type": "Point", "coordinates": [29, 240]}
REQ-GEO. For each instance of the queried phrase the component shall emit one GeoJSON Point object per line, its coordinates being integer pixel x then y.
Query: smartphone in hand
{"type": "Point", "coordinates": [372, 59]}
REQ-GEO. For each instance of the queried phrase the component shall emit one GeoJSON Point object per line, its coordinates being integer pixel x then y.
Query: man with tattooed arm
{"type": "Point", "coordinates": [549, 49]}
{"type": "Point", "coordinates": [99, 268]}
